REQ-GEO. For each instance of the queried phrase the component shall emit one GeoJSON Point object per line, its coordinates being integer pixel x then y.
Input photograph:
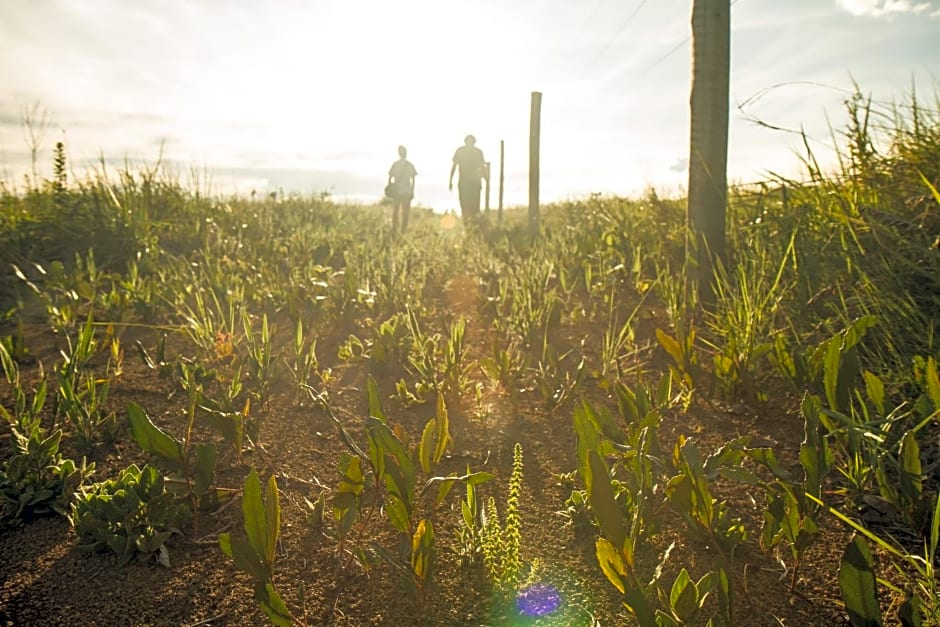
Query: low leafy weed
{"type": "Point", "coordinates": [255, 551]}
{"type": "Point", "coordinates": [132, 515]}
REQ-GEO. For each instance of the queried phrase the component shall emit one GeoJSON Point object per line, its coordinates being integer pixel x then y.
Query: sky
{"type": "Point", "coordinates": [316, 95]}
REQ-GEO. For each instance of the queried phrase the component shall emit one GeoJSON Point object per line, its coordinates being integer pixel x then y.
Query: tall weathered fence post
{"type": "Point", "coordinates": [486, 205]}
{"type": "Point", "coordinates": [502, 160]}
{"type": "Point", "coordinates": [708, 145]}
{"type": "Point", "coordinates": [534, 133]}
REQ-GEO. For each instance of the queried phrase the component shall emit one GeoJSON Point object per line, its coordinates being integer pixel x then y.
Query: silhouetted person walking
{"type": "Point", "coordinates": [401, 180]}
{"type": "Point", "coordinates": [470, 160]}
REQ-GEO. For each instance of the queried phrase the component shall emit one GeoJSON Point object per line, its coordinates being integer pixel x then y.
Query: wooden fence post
{"type": "Point", "coordinates": [502, 160]}
{"type": "Point", "coordinates": [534, 133]}
{"type": "Point", "coordinates": [486, 167]}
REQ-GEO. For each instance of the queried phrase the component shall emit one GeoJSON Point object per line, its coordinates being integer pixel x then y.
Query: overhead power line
{"type": "Point", "coordinates": [674, 49]}
{"type": "Point", "coordinates": [620, 31]}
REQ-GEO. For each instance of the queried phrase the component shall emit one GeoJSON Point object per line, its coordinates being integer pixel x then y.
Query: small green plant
{"type": "Point", "coordinates": [749, 300]}
{"type": "Point", "coordinates": [392, 466]}
{"type": "Point", "coordinates": [423, 358]}
{"type": "Point", "coordinates": [454, 367]}
{"type": "Point", "coordinates": [681, 348]}
{"type": "Point", "coordinates": [690, 493]}
{"type": "Point", "coordinates": [260, 356]}
{"type": "Point", "coordinates": [353, 349]}
{"type": "Point", "coordinates": [254, 553]}
{"type": "Point", "coordinates": [506, 366]}
{"type": "Point", "coordinates": [555, 382]}
{"type": "Point", "coordinates": [25, 411]}
{"type": "Point", "coordinates": [684, 602]}
{"type": "Point", "coordinates": [617, 337]}
{"type": "Point", "coordinates": [132, 515]}
{"type": "Point", "coordinates": [212, 326]}
{"type": "Point", "coordinates": [86, 409]}
{"type": "Point", "coordinates": [390, 341]}
{"type": "Point", "coordinates": [859, 584]}
{"type": "Point", "coordinates": [501, 540]}
{"type": "Point", "coordinates": [790, 516]}
{"type": "Point", "coordinates": [470, 533]}
{"type": "Point", "coordinates": [82, 394]}
{"type": "Point", "coordinates": [193, 464]}
{"type": "Point", "coordinates": [35, 480]}
{"type": "Point", "coordinates": [305, 362]}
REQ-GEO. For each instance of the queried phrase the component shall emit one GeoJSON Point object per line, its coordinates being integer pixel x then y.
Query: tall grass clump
{"type": "Point", "coordinates": [855, 242]}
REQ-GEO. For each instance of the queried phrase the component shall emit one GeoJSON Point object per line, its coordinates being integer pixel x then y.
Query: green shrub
{"type": "Point", "coordinates": [132, 516]}
{"type": "Point", "coordinates": [36, 481]}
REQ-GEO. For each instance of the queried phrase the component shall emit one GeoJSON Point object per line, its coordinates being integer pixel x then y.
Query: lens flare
{"type": "Point", "coordinates": [448, 221]}
{"type": "Point", "coordinates": [539, 599]}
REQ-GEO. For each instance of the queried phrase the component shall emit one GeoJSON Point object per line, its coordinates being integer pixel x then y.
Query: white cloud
{"type": "Point", "coordinates": [878, 8]}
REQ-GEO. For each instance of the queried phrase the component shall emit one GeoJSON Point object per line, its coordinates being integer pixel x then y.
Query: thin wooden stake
{"type": "Point", "coordinates": [534, 136]}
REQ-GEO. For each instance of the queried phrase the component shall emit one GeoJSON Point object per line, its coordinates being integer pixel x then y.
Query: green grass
{"type": "Point", "coordinates": [235, 278]}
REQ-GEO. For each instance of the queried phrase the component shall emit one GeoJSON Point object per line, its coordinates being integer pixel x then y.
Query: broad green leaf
{"type": "Point", "coordinates": [636, 600]}
{"type": "Point", "coordinates": [245, 557]}
{"type": "Point", "coordinates": [626, 403]}
{"type": "Point", "coordinates": [765, 455]}
{"type": "Point", "coordinates": [815, 456]}
{"type": "Point", "coordinates": [272, 509]}
{"type": "Point", "coordinates": [706, 583]}
{"type": "Point", "coordinates": [477, 478]}
{"type": "Point", "coordinates": [683, 596]}
{"type": "Point", "coordinates": [151, 439]}
{"type": "Point", "coordinates": [587, 440]}
{"type": "Point", "coordinates": [723, 586]}
{"type": "Point", "coordinates": [933, 382]}
{"type": "Point", "coordinates": [608, 514]}
{"type": "Point", "coordinates": [910, 611]}
{"type": "Point", "coordinates": [784, 358]}
{"type": "Point", "coordinates": [807, 535]}
{"type": "Point", "coordinates": [255, 517]}
{"type": "Point", "coordinates": [934, 530]}
{"type": "Point", "coordinates": [858, 585]}
{"type": "Point", "coordinates": [671, 345]}
{"type": "Point", "coordinates": [740, 475]}
{"type": "Point", "coordinates": [875, 390]}
{"type": "Point", "coordinates": [375, 400]}
{"type": "Point", "coordinates": [422, 551]}
{"type": "Point", "coordinates": [397, 485]}
{"type": "Point", "coordinates": [831, 363]}
{"type": "Point", "coordinates": [425, 445]}
{"type": "Point", "coordinates": [273, 606]}
{"type": "Point", "coordinates": [665, 620]}
{"type": "Point", "coordinates": [352, 481]}
{"type": "Point", "coordinates": [664, 390]}
{"type": "Point", "coordinates": [225, 543]}
{"type": "Point", "coordinates": [398, 514]}
{"type": "Point", "coordinates": [611, 563]}
{"type": "Point", "coordinates": [205, 467]}
{"type": "Point", "coordinates": [930, 186]}
{"type": "Point", "coordinates": [150, 482]}
{"type": "Point", "coordinates": [386, 443]}
{"type": "Point", "coordinates": [442, 437]}
{"type": "Point", "coordinates": [443, 491]}
{"type": "Point", "coordinates": [772, 531]}
{"type": "Point", "coordinates": [910, 467]}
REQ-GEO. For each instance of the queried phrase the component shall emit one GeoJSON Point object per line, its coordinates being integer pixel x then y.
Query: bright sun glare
{"type": "Point", "coordinates": [430, 71]}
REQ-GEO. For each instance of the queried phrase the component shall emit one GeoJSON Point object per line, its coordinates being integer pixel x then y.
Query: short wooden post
{"type": "Point", "coordinates": [502, 160]}
{"type": "Point", "coordinates": [534, 132]}
{"type": "Point", "coordinates": [486, 167]}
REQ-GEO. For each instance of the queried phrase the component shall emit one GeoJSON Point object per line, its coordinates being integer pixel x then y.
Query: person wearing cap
{"type": "Point", "coordinates": [401, 185]}
{"type": "Point", "coordinates": [469, 159]}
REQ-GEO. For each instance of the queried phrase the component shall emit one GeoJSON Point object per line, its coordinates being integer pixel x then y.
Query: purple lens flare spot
{"type": "Point", "coordinates": [538, 599]}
